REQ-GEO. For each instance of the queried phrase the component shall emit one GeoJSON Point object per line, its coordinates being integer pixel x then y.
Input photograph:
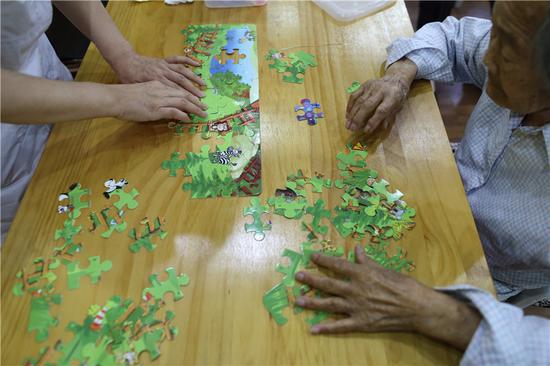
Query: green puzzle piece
{"type": "Point", "coordinates": [378, 253]}
{"type": "Point", "coordinates": [75, 200]}
{"type": "Point", "coordinates": [172, 284]}
{"type": "Point", "coordinates": [110, 220]}
{"type": "Point", "coordinates": [149, 342]}
{"type": "Point", "coordinates": [353, 87]}
{"type": "Point", "coordinates": [381, 188]}
{"type": "Point", "coordinates": [73, 350]}
{"type": "Point", "coordinates": [145, 239]}
{"type": "Point", "coordinates": [294, 71]}
{"type": "Point", "coordinates": [275, 301]}
{"type": "Point", "coordinates": [257, 227]}
{"type": "Point", "coordinates": [293, 209]}
{"type": "Point", "coordinates": [290, 270]}
{"type": "Point", "coordinates": [125, 198]}
{"type": "Point", "coordinates": [40, 319]}
{"type": "Point", "coordinates": [69, 230]}
{"type": "Point", "coordinates": [318, 212]}
{"type": "Point", "coordinates": [94, 270]}
{"type": "Point", "coordinates": [304, 58]}
{"type": "Point", "coordinates": [317, 184]}
{"type": "Point", "coordinates": [173, 164]}
{"type": "Point", "coordinates": [355, 158]}
{"type": "Point", "coordinates": [98, 354]}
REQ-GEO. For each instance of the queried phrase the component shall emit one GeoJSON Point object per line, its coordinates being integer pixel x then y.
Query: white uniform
{"type": "Point", "coordinates": [26, 49]}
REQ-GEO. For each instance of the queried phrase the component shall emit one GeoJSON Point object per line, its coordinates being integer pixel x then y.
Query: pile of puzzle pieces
{"type": "Point", "coordinates": [121, 330]}
{"type": "Point", "coordinates": [292, 65]}
{"type": "Point", "coordinates": [368, 213]}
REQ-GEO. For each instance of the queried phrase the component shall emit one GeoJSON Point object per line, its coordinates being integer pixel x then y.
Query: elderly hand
{"type": "Point", "coordinates": [374, 299]}
{"type": "Point", "coordinates": [378, 101]}
{"type": "Point", "coordinates": [154, 100]}
{"type": "Point", "coordinates": [133, 68]}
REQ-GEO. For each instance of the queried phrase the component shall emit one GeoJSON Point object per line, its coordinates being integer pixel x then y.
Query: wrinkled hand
{"type": "Point", "coordinates": [376, 103]}
{"type": "Point", "coordinates": [171, 71]}
{"type": "Point", "coordinates": [154, 100]}
{"type": "Point", "coordinates": [374, 299]}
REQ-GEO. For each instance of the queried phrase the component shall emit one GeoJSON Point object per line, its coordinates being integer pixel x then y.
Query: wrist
{"type": "Point", "coordinates": [115, 100]}
{"type": "Point", "coordinates": [445, 318]}
{"type": "Point", "coordinates": [403, 72]}
{"type": "Point", "coordinates": [119, 57]}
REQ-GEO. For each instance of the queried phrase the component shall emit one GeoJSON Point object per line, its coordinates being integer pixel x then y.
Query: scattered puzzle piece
{"type": "Point", "coordinates": [97, 354]}
{"type": "Point", "coordinates": [94, 270]}
{"type": "Point", "coordinates": [303, 58]}
{"type": "Point", "coordinates": [354, 158]}
{"type": "Point", "coordinates": [295, 65]}
{"type": "Point", "coordinates": [125, 199]}
{"type": "Point", "coordinates": [173, 164]}
{"type": "Point", "coordinates": [172, 284]}
{"type": "Point", "coordinates": [258, 227]}
{"type": "Point", "coordinates": [74, 196]}
{"type": "Point", "coordinates": [291, 209]}
{"type": "Point", "coordinates": [275, 301]}
{"type": "Point", "coordinates": [318, 212]}
{"type": "Point", "coordinates": [289, 270]}
{"type": "Point", "coordinates": [355, 86]}
{"type": "Point", "coordinates": [149, 343]}
{"type": "Point", "coordinates": [68, 232]}
{"type": "Point", "coordinates": [309, 112]}
{"type": "Point", "coordinates": [40, 319]}
{"type": "Point", "coordinates": [111, 219]}
{"type": "Point", "coordinates": [145, 238]}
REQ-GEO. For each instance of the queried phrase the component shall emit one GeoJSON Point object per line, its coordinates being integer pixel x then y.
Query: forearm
{"type": "Point", "coordinates": [444, 318]}
{"type": "Point", "coordinates": [27, 99]}
{"type": "Point", "coordinates": [92, 19]}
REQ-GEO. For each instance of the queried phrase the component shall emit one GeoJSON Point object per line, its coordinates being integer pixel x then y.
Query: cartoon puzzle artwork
{"type": "Point", "coordinates": [229, 66]}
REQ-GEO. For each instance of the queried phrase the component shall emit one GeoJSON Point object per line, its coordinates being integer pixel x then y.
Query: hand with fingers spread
{"type": "Point", "coordinates": [154, 100]}
{"type": "Point", "coordinates": [377, 102]}
{"type": "Point", "coordinates": [171, 71]}
{"type": "Point", "coordinates": [374, 299]}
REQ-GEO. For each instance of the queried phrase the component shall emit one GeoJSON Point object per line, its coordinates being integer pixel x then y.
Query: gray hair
{"type": "Point", "coordinates": [542, 50]}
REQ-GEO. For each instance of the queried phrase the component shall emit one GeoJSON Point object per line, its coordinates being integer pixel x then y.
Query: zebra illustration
{"type": "Point", "coordinates": [224, 157]}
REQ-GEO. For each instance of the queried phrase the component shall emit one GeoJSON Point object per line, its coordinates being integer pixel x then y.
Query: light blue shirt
{"type": "Point", "coordinates": [505, 167]}
{"type": "Point", "coordinates": [504, 337]}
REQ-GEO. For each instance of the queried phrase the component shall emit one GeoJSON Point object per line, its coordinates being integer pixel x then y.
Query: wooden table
{"type": "Point", "coordinates": [221, 318]}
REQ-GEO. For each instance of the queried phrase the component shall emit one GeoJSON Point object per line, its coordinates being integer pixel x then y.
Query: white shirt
{"type": "Point", "coordinates": [26, 49]}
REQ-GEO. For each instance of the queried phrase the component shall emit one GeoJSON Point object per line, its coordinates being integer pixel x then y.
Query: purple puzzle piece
{"type": "Point", "coordinates": [309, 113]}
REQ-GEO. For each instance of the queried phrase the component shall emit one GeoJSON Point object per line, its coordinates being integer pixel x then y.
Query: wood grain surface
{"type": "Point", "coordinates": [221, 318]}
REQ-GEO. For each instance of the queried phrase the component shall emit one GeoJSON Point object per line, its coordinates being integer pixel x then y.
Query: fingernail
{"type": "Point", "coordinates": [315, 329]}
{"type": "Point", "coordinates": [353, 127]}
{"type": "Point", "coordinates": [348, 123]}
{"type": "Point", "coordinates": [299, 276]}
{"type": "Point", "coordinates": [300, 301]}
{"type": "Point", "coordinates": [202, 95]}
{"type": "Point", "coordinates": [315, 256]}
